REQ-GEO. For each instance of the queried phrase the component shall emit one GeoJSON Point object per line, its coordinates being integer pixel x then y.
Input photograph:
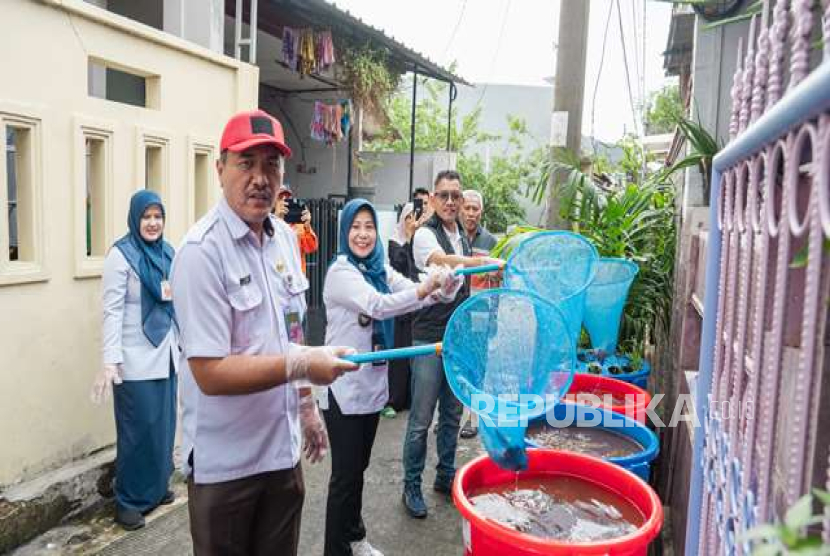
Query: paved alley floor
{"type": "Point", "coordinates": [389, 528]}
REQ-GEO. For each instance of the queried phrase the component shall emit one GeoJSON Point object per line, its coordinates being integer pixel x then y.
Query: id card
{"type": "Point", "coordinates": [293, 327]}
{"type": "Point", "coordinates": [166, 291]}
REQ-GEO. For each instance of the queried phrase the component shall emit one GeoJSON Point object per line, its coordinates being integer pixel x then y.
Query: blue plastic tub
{"type": "Point", "coordinates": [639, 463]}
{"type": "Point", "coordinates": [638, 378]}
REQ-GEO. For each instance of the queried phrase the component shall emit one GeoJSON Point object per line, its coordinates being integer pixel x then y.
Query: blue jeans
{"type": "Point", "coordinates": [429, 387]}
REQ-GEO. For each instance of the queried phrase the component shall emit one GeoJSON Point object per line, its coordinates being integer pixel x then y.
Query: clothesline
{"type": "Point", "coordinates": [306, 50]}
{"type": "Point", "coordinates": [331, 122]}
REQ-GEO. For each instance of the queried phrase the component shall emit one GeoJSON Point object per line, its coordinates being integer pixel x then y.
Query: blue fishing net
{"type": "Point", "coordinates": [605, 300]}
{"type": "Point", "coordinates": [508, 355]}
{"type": "Point", "coordinates": [558, 266]}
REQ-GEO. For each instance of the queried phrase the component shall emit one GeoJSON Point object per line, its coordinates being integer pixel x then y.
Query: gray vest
{"type": "Point", "coordinates": [429, 323]}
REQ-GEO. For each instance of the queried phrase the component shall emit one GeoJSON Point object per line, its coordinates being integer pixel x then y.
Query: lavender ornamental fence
{"type": "Point", "coordinates": [762, 352]}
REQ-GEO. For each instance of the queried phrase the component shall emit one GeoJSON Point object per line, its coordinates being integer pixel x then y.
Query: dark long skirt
{"type": "Point", "coordinates": [145, 421]}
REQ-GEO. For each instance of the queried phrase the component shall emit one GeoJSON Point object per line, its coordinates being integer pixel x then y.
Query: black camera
{"type": "Point", "coordinates": [419, 207]}
{"type": "Point", "coordinates": [295, 211]}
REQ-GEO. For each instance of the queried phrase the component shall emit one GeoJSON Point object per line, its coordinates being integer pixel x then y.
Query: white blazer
{"type": "Point", "coordinates": [346, 295]}
{"type": "Point", "coordinates": [123, 340]}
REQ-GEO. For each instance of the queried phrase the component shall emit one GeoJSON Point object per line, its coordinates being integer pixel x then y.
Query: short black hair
{"type": "Point", "coordinates": [420, 191]}
{"type": "Point", "coordinates": [449, 175]}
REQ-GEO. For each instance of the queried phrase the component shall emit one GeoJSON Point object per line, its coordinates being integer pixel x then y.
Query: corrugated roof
{"type": "Point", "coordinates": [680, 42]}
{"type": "Point", "coordinates": [343, 21]}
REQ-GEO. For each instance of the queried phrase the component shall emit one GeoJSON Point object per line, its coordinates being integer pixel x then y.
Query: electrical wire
{"type": "Point", "coordinates": [496, 54]}
{"type": "Point", "coordinates": [455, 30]}
{"type": "Point", "coordinates": [634, 24]}
{"type": "Point", "coordinates": [627, 74]}
{"type": "Point", "coordinates": [599, 74]}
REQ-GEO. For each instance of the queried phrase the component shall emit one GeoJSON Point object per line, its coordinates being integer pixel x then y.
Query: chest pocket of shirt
{"type": "Point", "coordinates": [246, 302]}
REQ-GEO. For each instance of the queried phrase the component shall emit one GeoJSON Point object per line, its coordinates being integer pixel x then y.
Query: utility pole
{"type": "Point", "coordinates": [569, 86]}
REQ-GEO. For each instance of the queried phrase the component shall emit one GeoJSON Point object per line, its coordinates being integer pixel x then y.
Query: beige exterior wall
{"type": "Point", "coordinates": [50, 308]}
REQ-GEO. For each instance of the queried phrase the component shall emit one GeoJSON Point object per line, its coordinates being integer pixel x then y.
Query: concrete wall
{"type": "Point", "coordinates": [713, 66]}
{"type": "Point", "coordinates": [390, 177]}
{"type": "Point", "coordinates": [532, 104]}
{"type": "Point", "coordinates": [50, 316]}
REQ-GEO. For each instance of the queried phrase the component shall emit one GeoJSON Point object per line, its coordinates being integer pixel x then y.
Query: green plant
{"type": "Point", "coordinates": [792, 536]}
{"type": "Point", "coordinates": [664, 109]}
{"type": "Point", "coordinates": [366, 73]}
{"type": "Point", "coordinates": [801, 257]}
{"type": "Point", "coordinates": [500, 182]}
{"type": "Point", "coordinates": [703, 148]}
{"type": "Point", "coordinates": [510, 240]}
{"type": "Point", "coordinates": [430, 122]}
{"type": "Point", "coordinates": [628, 220]}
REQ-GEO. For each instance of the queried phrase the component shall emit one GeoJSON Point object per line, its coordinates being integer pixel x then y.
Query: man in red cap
{"type": "Point", "coordinates": [244, 424]}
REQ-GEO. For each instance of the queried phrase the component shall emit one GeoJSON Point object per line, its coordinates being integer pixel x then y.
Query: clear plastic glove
{"type": "Point", "coordinates": [431, 280]}
{"type": "Point", "coordinates": [318, 365]}
{"type": "Point", "coordinates": [450, 284]}
{"type": "Point", "coordinates": [315, 438]}
{"type": "Point", "coordinates": [102, 385]}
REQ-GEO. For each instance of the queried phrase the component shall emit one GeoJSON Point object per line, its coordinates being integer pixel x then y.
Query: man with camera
{"type": "Point", "coordinates": [297, 215]}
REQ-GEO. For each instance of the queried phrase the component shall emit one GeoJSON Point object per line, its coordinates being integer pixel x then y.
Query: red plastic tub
{"type": "Point", "coordinates": [632, 403]}
{"type": "Point", "coordinates": [484, 537]}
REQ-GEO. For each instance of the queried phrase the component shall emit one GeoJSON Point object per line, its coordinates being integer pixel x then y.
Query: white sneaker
{"type": "Point", "coordinates": [363, 548]}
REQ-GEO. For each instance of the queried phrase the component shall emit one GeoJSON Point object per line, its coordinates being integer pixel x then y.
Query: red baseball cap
{"type": "Point", "coordinates": [249, 129]}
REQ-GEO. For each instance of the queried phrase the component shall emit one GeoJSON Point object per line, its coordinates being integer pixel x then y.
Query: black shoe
{"type": "Point", "coordinates": [129, 519]}
{"type": "Point", "coordinates": [442, 486]}
{"type": "Point", "coordinates": [414, 503]}
{"type": "Point", "coordinates": [169, 498]}
{"type": "Point", "coordinates": [468, 430]}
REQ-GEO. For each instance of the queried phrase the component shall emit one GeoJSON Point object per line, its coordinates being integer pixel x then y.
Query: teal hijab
{"type": "Point", "coordinates": [151, 261]}
{"type": "Point", "coordinates": [372, 266]}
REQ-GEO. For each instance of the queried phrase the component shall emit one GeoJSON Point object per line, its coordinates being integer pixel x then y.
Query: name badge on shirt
{"type": "Point", "coordinates": [166, 291]}
{"type": "Point", "coordinates": [293, 327]}
{"type": "Point", "coordinates": [377, 345]}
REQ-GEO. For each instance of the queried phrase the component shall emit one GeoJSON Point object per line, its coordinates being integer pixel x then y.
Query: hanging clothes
{"type": "Point", "coordinates": [327, 121]}
{"type": "Point", "coordinates": [324, 51]}
{"type": "Point", "coordinates": [290, 45]}
{"type": "Point", "coordinates": [346, 117]}
{"type": "Point", "coordinates": [306, 52]}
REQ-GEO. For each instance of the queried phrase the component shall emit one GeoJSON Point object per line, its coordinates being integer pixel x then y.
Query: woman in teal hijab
{"type": "Point", "coordinates": [362, 296]}
{"type": "Point", "coordinates": [140, 356]}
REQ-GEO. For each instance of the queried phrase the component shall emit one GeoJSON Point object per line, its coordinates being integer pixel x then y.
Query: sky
{"type": "Point", "coordinates": [514, 42]}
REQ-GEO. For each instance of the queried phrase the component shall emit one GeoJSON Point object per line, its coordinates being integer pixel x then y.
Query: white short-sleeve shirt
{"type": "Point", "coordinates": [229, 296]}
{"type": "Point", "coordinates": [425, 244]}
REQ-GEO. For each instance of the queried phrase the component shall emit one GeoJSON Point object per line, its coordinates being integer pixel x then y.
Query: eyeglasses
{"type": "Point", "coordinates": [445, 195]}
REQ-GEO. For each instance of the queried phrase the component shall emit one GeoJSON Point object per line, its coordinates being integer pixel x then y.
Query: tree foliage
{"type": "Point", "coordinates": [501, 183]}
{"type": "Point", "coordinates": [664, 109]}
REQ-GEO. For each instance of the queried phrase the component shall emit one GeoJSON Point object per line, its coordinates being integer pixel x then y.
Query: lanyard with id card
{"type": "Point", "coordinates": [293, 326]}
{"type": "Point", "coordinates": [166, 291]}
{"type": "Point", "coordinates": [291, 316]}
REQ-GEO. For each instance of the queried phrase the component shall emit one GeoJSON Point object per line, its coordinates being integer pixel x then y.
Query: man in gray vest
{"type": "Point", "coordinates": [440, 241]}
